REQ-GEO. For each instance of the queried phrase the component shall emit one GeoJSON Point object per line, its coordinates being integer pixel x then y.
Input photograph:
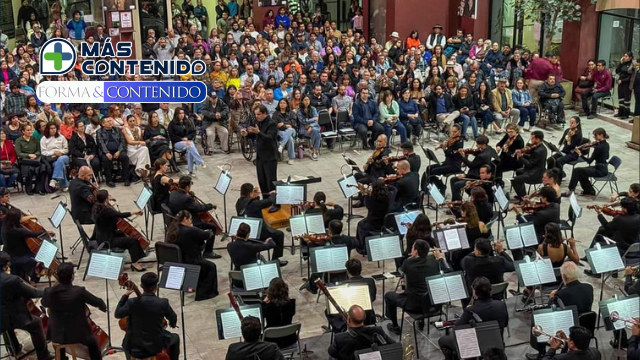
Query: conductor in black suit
{"type": "Point", "coordinates": [67, 316]}
{"type": "Point", "coordinates": [145, 335]}
{"type": "Point", "coordinates": [266, 135]}
{"type": "Point", "coordinates": [483, 309]}
{"type": "Point", "coordinates": [82, 196]}
{"type": "Point", "coordinates": [357, 337]}
{"type": "Point", "coordinates": [407, 187]}
{"type": "Point", "coordinates": [13, 311]}
{"type": "Point", "coordinates": [252, 347]}
{"type": "Point", "coordinates": [534, 165]}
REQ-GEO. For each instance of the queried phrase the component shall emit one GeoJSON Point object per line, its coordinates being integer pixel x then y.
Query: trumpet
{"type": "Point", "coordinates": [537, 331]}
{"type": "Point", "coordinates": [615, 316]}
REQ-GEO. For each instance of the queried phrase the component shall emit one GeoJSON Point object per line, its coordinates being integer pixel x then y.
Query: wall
{"type": "Point", "coordinates": [260, 11]}
{"type": "Point", "coordinates": [579, 42]}
{"type": "Point", "coordinates": [406, 15]}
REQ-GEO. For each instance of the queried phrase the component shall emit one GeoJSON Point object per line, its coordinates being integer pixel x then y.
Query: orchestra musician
{"type": "Point", "coordinates": [82, 196]}
{"type": "Point", "coordinates": [243, 251]}
{"type": "Point", "coordinates": [250, 205]}
{"type": "Point", "coordinates": [484, 307]}
{"type": "Point", "coordinates": [534, 164]}
{"type": "Point", "coordinates": [106, 218]}
{"type": "Point", "coordinates": [253, 347]}
{"type": "Point", "coordinates": [191, 239]}
{"type": "Point", "coordinates": [160, 184]}
{"type": "Point", "coordinates": [599, 156]}
{"type": "Point", "coordinates": [632, 343]}
{"type": "Point", "coordinates": [183, 199]}
{"type": "Point", "coordinates": [419, 229]}
{"type": "Point", "coordinates": [483, 155]}
{"type": "Point", "coordinates": [409, 155]}
{"type": "Point", "coordinates": [146, 315]}
{"type": "Point", "coordinates": [474, 229]}
{"type": "Point", "coordinates": [481, 199]}
{"type": "Point", "coordinates": [633, 192]}
{"type": "Point", "coordinates": [5, 205]}
{"type": "Point", "coordinates": [547, 211]}
{"type": "Point", "coordinates": [550, 178]}
{"type": "Point", "coordinates": [375, 167]}
{"type": "Point", "coordinates": [571, 138]}
{"type": "Point", "coordinates": [14, 314]}
{"type": "Point", "coordinates": [452, 163]}
{"type": "Point", "coordinates": [357, 337]}
{"type": "Point", "coordinates": [415, 269]}
{"type": "Point", "coordinates": [631, 286]}
{"type": "Point", "coordinates": [66, 305]}
{"type": "Point", "coordinates": [482, 263]}
{"type": "Point", "coordinates": [354, 272]}
{"type": "Point", "coordinates": [485, 182]}
{"type": "Point", "coordinates": [377, 203]}
{"type": "Point", "coordinates": [329, 210]}
{"type": "Point", "coordinates": [407, 188]}
{"type": "Point", "coordinates": [278, 309]}
{"type": "Point", "coordinates": [574, 292]}
{"type": "Point", "coordinates": [14, 238]}
{"type": "Point", "coordinates": [577, 346]}
{"type": "Point", "coordinates": [507, 147]}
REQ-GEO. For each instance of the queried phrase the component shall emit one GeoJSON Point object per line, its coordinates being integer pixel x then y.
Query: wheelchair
{"type": "Point", "coordinates": [548, 113]}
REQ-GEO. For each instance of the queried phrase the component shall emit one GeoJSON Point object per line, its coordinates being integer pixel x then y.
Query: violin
{"type": "Point", "coordinates": [472, 184]}
{"type": "Point", "coordinates": [391, 178]}
{"type": "Point", "coordinates": [570, 134]}
{"type": "Point", "coordinates": [373, 157]}
{"type": "Point", "coordinates": [448, 143]}
{"type": "Point", "coordinates": [389, 159]}
{"type": "Point", "coordinates": [607, 210]}
{"type": "Point", "coordinates": [531, 207]}
{"type": "Point", "coordinates": [472, 151]}
{"type": "Point", "coordinates": [452, 204]}
{"type": "Point", "coordinates": [586, 146]}
{"type": "Point", "coordinates": [526, 149]}
{"type": "Point", "coordinates": [450, 221]}
{"type": "Point", "coordinates": [507, 145]}
{"type": "Point", "coordinates": [316, 238]}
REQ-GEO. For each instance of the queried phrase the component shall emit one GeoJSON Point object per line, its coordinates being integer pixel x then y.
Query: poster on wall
{"type": "Point", "coordinates": [468, 8]}
{"type": "Point", "coordinates": [272, 3]}
{"type": "Point", "coordinates": [6, 19]}
{"type": "Point", "coordinates": [114, 5]}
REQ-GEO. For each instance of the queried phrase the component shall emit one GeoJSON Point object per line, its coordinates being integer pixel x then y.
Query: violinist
{"type": "Point", "coordinates": [507, 147]}
{"type": "Point", "coordinates": [633, 192]}
{"type": "Point", "coordinates": [377, 203]}
{"type": "Point", "coordinates": [14, 314]}
{"type": "Point", "coordinates": [485, 182]}
{"type": "Point", "coordinates": [14, 238]}
{"type": "Point", "coordinates": [66, 305]}
{"type": "Point", "coordinates": [161, 185]}
{"type": "Point", "coordinates": [106, 218]}
{"type": "Point", "coordinates": [376, 167]}
{"type": "Point", "coordinates": [183, 199]}
{"type": "Point", "coordinates": [146, 315]}
{"type": "Point", "coordinates": [550, 178]}
{"type": "Point", "coordinates": [599, 156]}
{"type": "Point", "coordinates": [411, 156]}
{"type": "Point", "coordinates": [571, 138]}
{"type": "Point", "coordinates": [533, 158]}
{"type": "Point", "coordinates": [335, 238]}
{"type": "Point", "coordinates": [82, 196]}
{"type": "Point", "coordinates": [190, 239]}
{"type": "Point", "coordinates": [452, 163]}
{"type": "Point", "coordinates": [481, 199]}
{"type": "Point", "coordinates": [474, 228]}
{"type": "Point", "coordinates": [243, 251]}
{"type": "Point", "coordinates": [483, 155]}
{"type": "Point", "coordinates": [406, 188]}
{"type": "Point", "coordinates": [330, 211]}
{"type": "Point", "coordinates": [548, 211]}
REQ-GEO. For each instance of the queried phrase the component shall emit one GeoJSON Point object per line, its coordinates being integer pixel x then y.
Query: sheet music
{"type": "Point", "coordinates": [105, 266]}
{"type": "Point", "coordinates": [268, 272]}
{"type": "Point", "coordinates": [349, 186]}
{"type": "Point", "coordinates": [442, 244]}
{"type": "Point", "coordinates": [528, 235]}
{"type": "Point", "coordinates": [175, 277]}
{"type": "Point", "coordinates": [385, 248]}
{"type": "Point", "coordinates": [315, 224]}
{"type": "Point", "coordinates": [606, 259]}
{"type": "Point", "coordinates": [438, 290]}
{"type": "Point", "coordinates": [288, 194]}
{"type": "Point", "coordinates": [374, 355]}
{"type": "Point", "coordinates": [462, 235]}
{"type": "Point", "coordinates": [348, 295]}
{"type": "Point", "coordinates": [552, 322]}
{"type": "Point", "coordinates": [58, 215]}
{"type": "Point", "coordinates": [452, 239]}
{"type": "Point", "coordinates": [252, 278]}
{"type": "Point", "coordinates": [143, 198]}
{"type": "Point", "coordinates": [298, 225]}
{"type": "Point", "coordinates": [224, 180]}
{"type": "Point", "coordinates": [501, 197]}
{"type": "Point", "coordinates": [529, 273]}
{"type": "Point", "coordinates": [468, 346]}
{"type": "Point", "coordinates": [254, 224]}
{"type": "Point", "coordinates": [626, 308]}
{"type": "Point", "coordinates": [455, 287]}
{"type": "Point", "coordinates": [573, 201]}
{"type": "Point", "coordinates": [406, 217]}
{"type": "Point", "coordinates": [514, 240]}
{"type": "Point", "coordinates": [545, 271]}
{"type": "Point", "coordinates": [231, 323]}
{"type": "Point", "coordinates": [436, 195]}
{"type": "Point", "coordinates": [331, 258]}
{"type": "Point", "coordinates": [46, 253]}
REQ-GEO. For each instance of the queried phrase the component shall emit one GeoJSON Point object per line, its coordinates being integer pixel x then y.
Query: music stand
{"type": "Point", "coordinates": [478, 338]}
{"type": "Point", "coordinates": [535, 273]}
{"type": "Point", "coordinates": [452, 238]}
{"type": "Point", "coordinates": [222, 186]}
{"type": "Point", "coordinates": [437, 196]}
{"type": "Point", "coordinates": [573, 201]}
{"type": "Point", "coordinates": [405, 217]}
{"type": "Point", "coordinates": [105, 265]}
{"type": "Point", "coordinates": [446, 288]}
{"type": "Point", "coordinates": [141, 203]}
{"type": "Point", "coordinates": [255, 224]}
{"type": "Point", "coordinates": [503, 204]}
{"type": "Point", "coordinates": [46, 253]}
{"type": "Point", "coordinates": [228, 322]}
{"type": "Point", "coordinates": [554, 319]}
{"type": "Point", "coordinates": [604, 260]}
{"type": "Point", "coordinates": [520, 236]}
{"type": "Point", "coordinates": [382, 248]}
{"type": "Point", "coordinates": [352, 164]}
{"type": "Point", "coordinates": [291, 194]}
{"type": "Point", "coordinates": [383, 352]}
{"type": "Point", "coordinates": [431, 157]}
{"type": "Point", "coordinates": [349, 187]}
{"type": "Point", "coordinates": [184, 278]}
{"type": "Point", "coordinates": [264, 271]}
{"type": "Point", "coordinates": [56, 219]}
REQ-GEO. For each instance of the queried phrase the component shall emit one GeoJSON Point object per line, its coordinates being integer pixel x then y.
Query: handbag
{"type": "Point", "coordinates": [6, 165]}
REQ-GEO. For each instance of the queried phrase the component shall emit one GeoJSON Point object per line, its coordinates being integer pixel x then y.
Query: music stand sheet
{"type": "Point", "coordinates": [606, 259]}
{"type": "Point", "coordinates": [627, 308]}
{"type": "Point", "coordinates": [554, 321]}
{"type": "Point", "coordinates": [229, 323]}
{"type": "Point", "coordinates": [501, 198]}
{"type": "Point", "coordinates": [436, 195]}
{"type": "Point", "coordinates": [573, 201]}
{"type": "Point", "coordinates": [175, 277]}
{"type": "Point", "coordinates": [348, 295]}
{"type": "Point", "coordinates": [143, 197]}
{"type": "Point", "coordinates": [105, 266]}
{"type": "Point", "coordinates": [349, 186]}
{"type": "Point", "coordinates": [298, 225]}
{"type": "Point", "coordinates": [467, 341]}
{"type": "Point", "coordinates": [447, 287]}
{"type": "Point", "coordinates": [315, 224]}
{"type": "Point", "coordinates": [514, 239]}
{"type": "Point", "coordinates": [254, 223]}
{"type": "Point", "coordinates": [222, 185]}
{"type": "Point", "coordinates": [329, 258]}
{"type": "Point", "coordinates": [179, 273]}
{"type": "Point", "coordinates": [452, 238]}
{"type": "Point", "coordinates": [290, 194]}
{"type": "Point", "coordinates": [58, 215]}
{"type": "Point", "coordinates": [538, 272]}
{"type": "Point", "coordinates": [46, 253]}
{"type": "Point", "coordinates": [381, 248]}
{"type": "Point", "coordinates": [258, 276]}
{"type": "Point", "coordinates": [487, 333]}
{"type": "Point", "coordinates": [405, 217]}
{"type": "Point", "coordinates": [528, 235]}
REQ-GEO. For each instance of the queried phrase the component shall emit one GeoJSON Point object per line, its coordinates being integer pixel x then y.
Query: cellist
{"type": "Point", "coordinates": [68, 322]}
{"type": "Point", "coordinates": [14, 314]}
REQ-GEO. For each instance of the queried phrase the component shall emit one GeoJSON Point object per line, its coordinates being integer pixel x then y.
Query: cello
{"type": "Point", "coordinates": [34, 244]}
{"type": "Point", "coordinates": [125, 226]}
{"type": "Point", "coordinates": [125, 283]}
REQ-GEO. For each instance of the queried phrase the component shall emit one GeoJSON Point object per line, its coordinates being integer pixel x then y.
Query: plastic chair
{"type": "Point", "coordinates": [427, 313]}
{"type": "Point", "coordinates": [86, 243]}
{"type": "Point", "coordinates": [167, 216]}
{"type": "Point", "coordinates": [588, 320]}
{"type": "Point", "coordinates": [282, 332]}
{"type": "Point", "coordinates": [610, 178]}
{"type": "Point", "coordinates": [343, 124]}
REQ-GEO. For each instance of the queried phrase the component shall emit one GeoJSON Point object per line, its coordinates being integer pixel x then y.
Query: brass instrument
{"type": "Point", "coordinates": [537, 331]}
{"type": "Point", "coordinates": [615, 316]}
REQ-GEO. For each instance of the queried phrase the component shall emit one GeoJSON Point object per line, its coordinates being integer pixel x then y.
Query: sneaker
{"type": "Point", "coordinates": [290, 162]}
{"type": "Point", "coordinates": [314, 156]}
{"type": "Point", "coordinates": [533, 356]}
{"type": "Point", "coordinates": [64, 189]}
{"type": "Point", "coordinates": [53, 183]}
{"type": "Point", "coordinates": [282, 263]}
{"type": "Point", "coordinates": [521, 130]}
{"type": "Point", "coordinates": [280, 149]}
{"type": "Point", "coordinates": [204, 166]}
{"type": "Point", "coordinates": [111, 184]}
{"type": "Point", "coordinates": [527, 128]}
{"type": "Point", "coordinates": [127, 183]}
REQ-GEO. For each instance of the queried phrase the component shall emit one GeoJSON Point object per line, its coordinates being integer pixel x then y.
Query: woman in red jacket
{"type": "Point", "coordinates": [8, 159]}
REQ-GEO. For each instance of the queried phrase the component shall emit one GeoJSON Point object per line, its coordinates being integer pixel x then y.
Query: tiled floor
{"type": "Point", "coordinates": [200, 327]}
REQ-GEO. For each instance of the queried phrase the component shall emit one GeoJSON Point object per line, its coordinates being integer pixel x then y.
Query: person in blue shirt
{"type": "Point", "coordinates": [233, 8]}
{"type": "Point", "coordinates": [76, 28]}
{"type": "Point", "coordinates": [284, 91]}
{"type": "Point", "coordinates": [365, 115]}
{"type": "Point", "coordinates": [410, 114]}
{"type": "Point", "coordinates": [283, 18]}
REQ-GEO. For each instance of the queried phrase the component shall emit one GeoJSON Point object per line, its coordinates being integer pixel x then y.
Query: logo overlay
{"type": "Point", "coordinates": [57, 57]}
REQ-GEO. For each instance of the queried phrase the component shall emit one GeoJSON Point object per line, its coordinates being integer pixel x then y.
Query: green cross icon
{"type": "Point", "coordinates": [57, 56]}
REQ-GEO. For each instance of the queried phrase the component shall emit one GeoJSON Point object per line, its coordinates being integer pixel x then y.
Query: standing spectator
{"type": "Point", "coordinates": [602, 83]}
{"type": "Point", "coordinates": [24, 14]}
{"type": "Point", "coordinates": [503, 105]}
{"type": "Point", "coordinates": [42, 10]}
{"type": "Point", "coordinates": [537, 72]}
{"type": "Point", "coordinates": [221, 8]}
{"type": "Point", "coordinates": [358, 22]}
{"type": "Point", "coordinates": [246, 9]}
{"type": "Point", "coordinates": [626, 75]}
{"type": "Point", "coordinates": [233, 8]}
{"type": "Point", "coordinates": [163, 49]}
{"type": "Point", "coordinates": [269, 19]}
{"type": "Point", "coordinates": [76, 27]}
{"type": "Point", "coordinates": [283, 18]}
{"type": "Point", "coordinates": [436, 38]}
{"type": "Point", "coordinates": [200, 12]}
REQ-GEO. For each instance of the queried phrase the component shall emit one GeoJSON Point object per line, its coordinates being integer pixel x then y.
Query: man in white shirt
{"type": "Point", "coordinates": [436, 38]}
{"type": "Point", "coordinates": [249, 75]}
{"type": "Point", "coordinates": [165, 115]}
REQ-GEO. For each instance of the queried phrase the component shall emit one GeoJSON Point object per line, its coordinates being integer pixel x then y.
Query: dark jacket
{"type": "Point", "coordinates": [279, 315]}
{"type": "Point", "coordinates": [82, 199]}
{"type": "Point", "coordinates": [625, 229]}
{"type": "Point", "coordinates": [578, 294]}
{"type": "Point", "coordinates": [433, 101]}
{"type": "Point", "coordinates": [589, 354]}
{"type": "Point", "coordinates": [13, 294]}
{"type": "Point", "coordinates": [354, 339]}
{"type": "Point", "coordinates": [246, 206]}
{"type": "Point", "coordinates": [359, 111]}
{"type": "Point", "coordinates": [106, 224]}
{"type": "Point", "coordinates": [415, 272]}
{"type": "Point", "coordinates": [78, 149]}
{"type": "Point", "coordinates": [544, 216]}
{"type": "Point", "coordinates": [179, 200]}
{"type": "Point", "coordinates": [452, 157]}
{"type": "Point", "coordinates": [483, 158]}
{"type": "Point", "coordinates": [288, 118]}
{"type": "Point", "coordinates": [535, 163]}
{"type": "Point", "coordinates": [408, 190]}
{"type": "Point", "coordinates": [467, 102]}
{"type": "Point", "coordinates": [67, 317]}
{"type": "Point", "coordinates": [545, 91]}
{"type": "Point", "coordinates": [267, 140]}
{"type": "Point", "coordinates": [567, 147]}
{"type": "Point", "coordinates": [191, 240]}
{"type": "Point", "coordinates": [179, 130]}
{"type": "Point", "coordinates": [488, 310]}
{"type": "Point", "coordinates": [254, 350]}
{"type": "Point", "coordinates": [518, 143]}
{"type": "Point", "coordinates": [491, 267]}
{"type": "Point", "coordinates": [414, 162]}
{"type": "Point", "coordinates": [102, 137]}
{"type": "Point", "coordinates": [144, 323]}
{"type": "Point", "coordinates": [245, 252]}
{"type": "Point", "coordinates": [209, 111]}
